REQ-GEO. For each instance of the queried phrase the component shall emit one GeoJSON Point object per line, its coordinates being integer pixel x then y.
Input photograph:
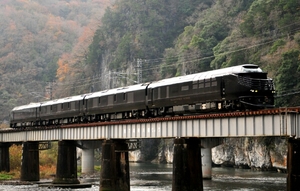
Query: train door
{"type": "Point", "coordinates": [84, 105]}
{"type": "Point", "coordinates": [149, 97]}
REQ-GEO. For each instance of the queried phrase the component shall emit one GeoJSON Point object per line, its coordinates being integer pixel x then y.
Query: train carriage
{"type": "Point", "coordinates": [24, 115]}
{"type": "Point", "coordinates": [118, 103]}
{"type": "Point", "coordinates": [235, 88]}
{"type": "Point", "coordinates": [64, 110]}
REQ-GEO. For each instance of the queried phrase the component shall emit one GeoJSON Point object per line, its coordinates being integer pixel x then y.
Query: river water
{"type": "Point", "coordinates": [158, 177]}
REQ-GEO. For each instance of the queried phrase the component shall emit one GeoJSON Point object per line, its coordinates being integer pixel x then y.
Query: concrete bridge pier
{"type": "Point", "coordinates": [87, 161]}
{"type": "Point", "coordinates": [30, 167]}
{"type": "Point", "coordinates": [187, 171]}
{"type": "Point", "coordinates": [66, 169]}
{"type": "Point", "coordinates": [4, 157]}
{"type": "Point", "coordinates": [206, 163]}
{"type": "Point", "coordinates": [206, 145]}
{"type": "Point", "coordinates": [87, 154]}
{"type": "Point", "coordinates": [114, 166]}
{"type": "Point", "coordinates": [293, 164]}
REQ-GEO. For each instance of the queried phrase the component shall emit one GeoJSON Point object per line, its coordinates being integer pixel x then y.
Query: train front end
{"type": "Point", "coordinates": [258, 89]}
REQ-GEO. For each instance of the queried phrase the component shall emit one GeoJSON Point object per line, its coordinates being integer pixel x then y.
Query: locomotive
{"type": "Point", "coordinates": [233, 88]}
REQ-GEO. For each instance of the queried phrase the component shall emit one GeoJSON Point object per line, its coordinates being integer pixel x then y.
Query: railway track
{"type": "Point", "coordinates": [273, 111]}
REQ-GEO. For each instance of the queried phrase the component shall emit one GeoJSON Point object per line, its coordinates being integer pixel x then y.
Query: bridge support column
{"type": "Point", "coordinates": [187, 172]}
{"type": "Point", "coordinates": [207, 144]}
{"type": "Point", "coordinates": [30, 167]}
{"type": "Point", "coordinates": [66, 169]}
{"type": "Point", "coordinates": [4, 157]}
{"type": "Point", "coordinates": [293, 164]}
{"type": "Point", "coordinates": [206, 163]}
{"type": "Point", "coordinates": [87, 161]}
{"type": "Point", "coordinates": [115, 166]}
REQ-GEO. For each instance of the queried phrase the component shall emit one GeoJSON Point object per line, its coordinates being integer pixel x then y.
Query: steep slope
{"type": "Point", "coordinates": [33, 36]}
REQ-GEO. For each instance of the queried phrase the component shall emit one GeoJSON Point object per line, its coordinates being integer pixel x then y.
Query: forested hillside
{"type": "Point", "coordinates": [66, 42]}
{"type": "Point", "coordinates": [33, 36]}
{"type": "Point", "coordinates": [181, 37]}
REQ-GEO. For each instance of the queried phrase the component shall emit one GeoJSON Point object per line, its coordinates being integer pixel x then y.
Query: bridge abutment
{"type": "Point", "coordinates": [66, 169]}
{"type": "Point", "coordinates": [4, 157]}
{"type": "Point", "coordinates": [30, 167]}
{"type": "Point", "coordinates": [114, 166]}
{"type": "Point", "coordinates": [293, 164]}
{"type": "Point", "coordinates": [187, 170]}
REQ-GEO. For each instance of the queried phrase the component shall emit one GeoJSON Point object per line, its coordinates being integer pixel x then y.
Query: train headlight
{"type": "Point", "coordinates": [251, 90]}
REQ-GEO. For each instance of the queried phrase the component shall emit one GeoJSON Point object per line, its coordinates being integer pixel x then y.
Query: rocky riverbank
{"type": "Point", "coordinates": [257, 153]}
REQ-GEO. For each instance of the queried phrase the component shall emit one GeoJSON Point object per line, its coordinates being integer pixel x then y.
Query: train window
{"type": "Point", "coordinates": [162, 92]}
{"type": "Point", "coordinates": [54, 108]}
{"type": "Point", "coordinates": [62, 106]}
{"type": "Point", "coordinates": [90, 102]}
{"type": "Point", "coordinates": [168, 91]}
{"type": "Point", "coordinates": [213, 82]}
{"type": "Point", "coordinates": [115, 98]}
{"type": "Point", "coordinates": [158, 96]}
{"type": "Point", "coordinates": [184, 88]}
{"type": "Point", "coordinates": [99, 100]}
{"type": "Point", "coordinates": [174, 89]}
{"type": "Point", "coordinates": [124, 96]}
{"type": "Point", "coordinates": [68, 105]}
{"type": "Point", "coordinates": [207, 83]}
{"type": "Point", "coordinates": [195, 86]}
{"type": "Point", "coordinates": [201, 83]}
{"type": "Point", "coordinates": [50, 107]}
{"type": "Point", "coordinates": [130, 97]}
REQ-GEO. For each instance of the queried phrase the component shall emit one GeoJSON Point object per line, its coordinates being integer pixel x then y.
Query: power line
{"type": "Point", "coordinates": [191, 58]}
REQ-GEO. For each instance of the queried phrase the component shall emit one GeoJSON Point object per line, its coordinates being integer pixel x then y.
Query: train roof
{"type": "Point", "coordinates": [28, 106]}
{"type": "Point", "coordinates": [125, 89]}
{"type": "Point", "coordinates": [245, 68]}
{"type": "Point", "coordinates": [64, 100]}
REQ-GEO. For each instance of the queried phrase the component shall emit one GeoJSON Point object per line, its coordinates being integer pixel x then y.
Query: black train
{"type": "Point", "coordinates": [234, 88]}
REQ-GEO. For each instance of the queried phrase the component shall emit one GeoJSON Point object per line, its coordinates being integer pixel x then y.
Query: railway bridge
{"type": "Point", "coordinates": [190, 133]}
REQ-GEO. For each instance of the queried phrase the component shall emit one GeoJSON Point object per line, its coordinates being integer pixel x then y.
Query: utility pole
{"type": "Point", "coordinates": [49, 89]}
{"type": "Point", "coordinates": [139, 71]}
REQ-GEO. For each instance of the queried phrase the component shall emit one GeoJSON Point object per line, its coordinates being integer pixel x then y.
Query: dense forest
{"type": "Point", "coordinates": [52, 49]}
{"type": "Point", "coordinates": [34, 35]}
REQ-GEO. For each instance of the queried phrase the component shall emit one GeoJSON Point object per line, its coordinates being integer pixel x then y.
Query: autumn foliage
{"type": "Point", "coordinates": [47, 161]}
{"type": "Point", "coordinates": [37, 41]}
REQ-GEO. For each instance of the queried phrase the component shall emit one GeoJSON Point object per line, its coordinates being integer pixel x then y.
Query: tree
{"type": "Point", "coordinates": [288, 79]}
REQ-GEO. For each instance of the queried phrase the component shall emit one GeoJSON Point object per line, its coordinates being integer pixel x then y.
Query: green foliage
{"type": "Point", "coordinates": [96, 48]}
{"type": "Point", "coordinates": [5, 176]}
{"type": "Point", "coordinates": [168, 68]}
{"type": "Point", "coordinates": [287, 79]}
{"type": "Point", "coordinates": [189, 35]}
{"type": "Point", "coordinates": [276, 44]}
{"type": "Point", "coordinates": [123, 52]}
{"type": "Point", "coordinates": [34, 34]}
{"type": "Point", "coordinates": [297, 38]}
{"type": "Point", "coordinates": [270, 17]}
{"type": "Point", "coordinates": [143, 29]}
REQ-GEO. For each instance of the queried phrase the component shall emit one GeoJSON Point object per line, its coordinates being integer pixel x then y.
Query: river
{"type": "Point", "coordinates": [158, 177]}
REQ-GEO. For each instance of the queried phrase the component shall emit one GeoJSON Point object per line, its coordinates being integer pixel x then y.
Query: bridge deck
{"type": "Point", "coordinates": [275, 122]}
